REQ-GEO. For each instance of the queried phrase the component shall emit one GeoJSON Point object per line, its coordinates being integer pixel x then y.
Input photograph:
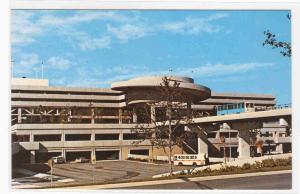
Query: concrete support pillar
{"type": "Point", "coordinates": [218, 135]}
{"type": "Point", "coordinates": [153, 116]}
{"type": "Point", "coordinates": [69, 116]}
{"type": "Point", "coordinates": [93, 136]}
{"type": "Point", "coordinates": [92, 116]}
{"type": "Point", "coordinates": [63, 153]}
{"type": "Point", "coordinates": [32, 157]}
{"type": "Point", "coordinates": [120, 115]}
{"type": "Point", "coordinates": [63, 136]}
{"type": "Point", "coordinates": [244, 144]}
{"type": "Point", "coordinates": [134, 115]}
{"type": "Point", "coordinates": [19, 115]}
{"type": "Point", "coordinates": [202, 143]}
{"type": "Point", "coordinates": [226, 126]}
{"type": "Point", "coordinates": [93, 153]}
{"type": "Point", "coordinates": [279, 148]}
{"type": "Point", "coordinates": [31, 137]}
{"type": "Point", "coordinates": [120, 136]}
{"type": "Point", "coordinates": [283, 122]}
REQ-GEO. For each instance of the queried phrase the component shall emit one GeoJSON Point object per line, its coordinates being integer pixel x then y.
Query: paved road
{"type": "Point", "coordinates": [103, 171]}
{"type": "Point", "coordinates": [112, 170]}
{"type": "Point", "coordinates": [276, 181]}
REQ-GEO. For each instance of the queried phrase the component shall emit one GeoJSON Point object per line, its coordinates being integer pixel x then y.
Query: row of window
{"type": "Point", "coordinates": [186, 157]}
{"type": "Point", "coordinates": [74, 137]}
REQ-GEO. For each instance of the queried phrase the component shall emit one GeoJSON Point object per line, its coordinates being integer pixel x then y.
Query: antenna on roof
{"type": "Point", "coordinates": [12, 68]}
{"type": "Point", "coordinates": [42, 69]}
{"type": "Point", "coordinates": [170, 72]}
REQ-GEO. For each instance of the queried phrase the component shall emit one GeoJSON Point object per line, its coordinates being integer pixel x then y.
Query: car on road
{"type": "Point", "coordinates": [58, 160]}
{"type": "Point", "coordinates": [81, 160]}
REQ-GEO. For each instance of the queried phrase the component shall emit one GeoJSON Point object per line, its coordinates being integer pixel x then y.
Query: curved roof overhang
{"type": "Point", "coordinates": [149, 88]}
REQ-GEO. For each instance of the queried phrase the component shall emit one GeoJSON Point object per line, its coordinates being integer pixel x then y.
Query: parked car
{"type": "Point", "coordinates": [81, 160]}
{"type": "Point", "coordinates": [58, 159]}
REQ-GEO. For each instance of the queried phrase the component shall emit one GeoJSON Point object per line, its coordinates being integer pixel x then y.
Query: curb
{"type": "Point", "coordinates": [160, 182]}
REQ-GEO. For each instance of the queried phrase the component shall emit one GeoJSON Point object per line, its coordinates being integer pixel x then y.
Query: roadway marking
{"type": "Point", "coordinates": [159, 182]}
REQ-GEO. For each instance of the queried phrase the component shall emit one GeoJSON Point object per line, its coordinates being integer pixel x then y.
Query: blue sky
{"type": "Point", "coordinates": [219, 49]}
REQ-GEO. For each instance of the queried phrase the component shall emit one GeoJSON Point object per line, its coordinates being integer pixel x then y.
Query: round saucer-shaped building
{"type": "Point", "coordinates": [143, 89]}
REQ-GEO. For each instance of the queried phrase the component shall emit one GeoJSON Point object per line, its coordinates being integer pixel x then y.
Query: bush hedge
{"type": "Point", "coordinates": [266, 164]}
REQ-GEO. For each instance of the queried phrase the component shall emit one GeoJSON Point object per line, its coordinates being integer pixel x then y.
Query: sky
{"type": "Point", "coordinates": [93, 48]}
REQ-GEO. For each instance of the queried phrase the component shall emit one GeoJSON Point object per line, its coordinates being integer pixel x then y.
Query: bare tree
{"type": "Point", "coordinates": [223, 142]}
{"type": "Point", "coordinates": [166, 129]}
{"type": "Point", "coordinates": [271, 40]}
{"type": "Point", "coordinates": [259, 145]}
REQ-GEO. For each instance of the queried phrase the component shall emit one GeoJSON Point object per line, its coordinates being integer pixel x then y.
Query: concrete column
{"type": "Point", "coordinates": [226, 126]}
{"type": "Point", "coordinates": [32, 157]}
{"type": "Point", "coordinates": [217, 135]}
{"type": "Point", "coordinates": [31, 137]}
{"type": "Point", "coordinates": [63, 137]}
{"type": "Point", "coordinates": [92, 116]}
{"type": "Point", "coordinates": [93, 153]}
{"type": "Point", "coordinates": [121, 136]}
{"type": "Point", "coordinates": [134, 115]}
{"type": "Point", "coordinates": [283, 122]}
{"type": "Point", "coordinates": [120, 115]}
{"type": "Point", "coordinates": [69, 116]}
{"type": "Point", "coordinates": [19, 115]}
{"type": "Point", "coordinates": [93, 136]}
{"type": "Point", "coordinates": [63, 153]}
{"type": "Point", "coordinates": [153, 117]}
{"type": "Point", "coordinates": [202, 143]}
{"type": "Point", "coordinates": [244, 146]}
{"type": "Point", "coordinates": [279, 148]}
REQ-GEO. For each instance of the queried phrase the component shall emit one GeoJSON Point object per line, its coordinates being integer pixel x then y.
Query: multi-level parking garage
{"type": "Point", "coordinates": [74, 122]}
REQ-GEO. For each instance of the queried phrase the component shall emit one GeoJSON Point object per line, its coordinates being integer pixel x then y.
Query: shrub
{"type": "Point", "coordinates": [246, 166]}
{"type": "Point", "coordinates": [258, 164]}
{"type": "Point", "coordinates": [207, 170]}
{"type": "Point", "coordinates": [231, 168]}
{"type": "Point", "coordinates": [268, 163]}
{"type": "Point", "coordinates": [281, 162]}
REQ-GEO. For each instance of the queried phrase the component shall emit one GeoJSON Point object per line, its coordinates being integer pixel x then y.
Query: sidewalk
{"type": "Point", "coordinates": [159, 182]}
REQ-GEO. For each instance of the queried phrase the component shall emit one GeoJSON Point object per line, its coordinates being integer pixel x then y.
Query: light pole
{"type": "Point", "coordinates": [229, 144]}
{"type": "Point", "coordinates": [12, 68]}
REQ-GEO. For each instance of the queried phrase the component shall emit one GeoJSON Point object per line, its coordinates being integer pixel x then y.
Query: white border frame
{"type": "Point", "coordinates": [292, 5]}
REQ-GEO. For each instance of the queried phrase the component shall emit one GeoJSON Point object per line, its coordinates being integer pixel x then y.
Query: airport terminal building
{"type": "Point", "coordinates": [73, 122]}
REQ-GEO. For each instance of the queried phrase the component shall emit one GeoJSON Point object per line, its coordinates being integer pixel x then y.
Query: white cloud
{"type": "Point", "coordinates": [197, 72]}
{"type": "Point", "coordinates": [193, 26]}
{"type": "Point", "coordinates": [89, 43]}
{"type": "Point", "coordinates": [87, 77]}
{"type": "Point", "coordinates": [210, 70]}
{"type": "Point", "coordinates": [128, 31]}
{"type": "Point", "coordinates": [87, 82]}
{"type": "Point", "coordinates": [26, 65]}
{"type": "Point", "coordinates": [83, 16]}
{"type": "Point", "coordinates": [28, 25]}
{"type": "Point", "coordinates": [58, 62]}
{"type": "Point", "coordinates": [23, 29]}
{"type": "Point", "coordinates": [29, 60]}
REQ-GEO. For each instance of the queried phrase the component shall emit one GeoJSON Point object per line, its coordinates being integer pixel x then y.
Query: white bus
{"type": "Point", "coordinates": [190, 159]}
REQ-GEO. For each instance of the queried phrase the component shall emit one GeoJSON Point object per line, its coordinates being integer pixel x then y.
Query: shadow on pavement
{"type": "Point", "coordinates": [201, 186]}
